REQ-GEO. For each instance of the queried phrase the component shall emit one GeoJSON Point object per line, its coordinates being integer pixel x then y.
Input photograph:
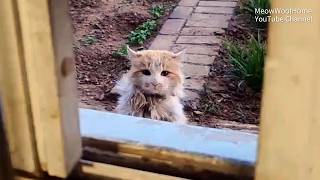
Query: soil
{"type": "Point", "coordinates": [100, 28]}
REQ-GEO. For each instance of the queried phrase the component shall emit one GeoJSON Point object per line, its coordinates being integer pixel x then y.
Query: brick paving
{"type": "Point", "coordinates": [193, 26]}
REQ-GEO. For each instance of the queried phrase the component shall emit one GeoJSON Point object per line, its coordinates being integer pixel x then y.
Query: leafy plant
{"type": "Point", "coordinates": [248, 60]}
{"type": "Point", "coordinates": [88, 40]}
{"type": "Point", "coordinates": [142, 32]}
{"type": "Point", "coordinates": [122, 52]}
{"type": "Point", "coordinates": [249, 6]}
{"type": "Point", "coordinates": [157, 11]}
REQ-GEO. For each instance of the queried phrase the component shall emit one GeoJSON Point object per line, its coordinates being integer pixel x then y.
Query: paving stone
{"type": "Point", "coordinates": [198, 37]}
{"type": "Point", "coordinates": [172, 26]}
{"type": "Point", "coordinates": [196, 49]}
{"type": "Point", "coordinates": [208, 20]}
{"type": "Point", "coordinates": [188, 2]}
{"type": "Point", "coordinates": [214, 10]}
{"type": "Point", "coordinates": [163, 42]}
{"type": "Point", "coordinates": [218, 3]}
{"type": "Point", "coordinates": [200, 31]}
{"type": "Point", "coordinates": [194, 83]}
{"type": "Point", "coordinates": [191, 70]}
{"type": "Point", "coordinates": [190, 95]}
{"type": "Point", "coordinates": [199, 59]}
{"type": "Point", "coordinates": [198, 40]}
{"type": "Point", "coordinates": [191, 100]}
{"type": "Point", "coordinates": [181, 12]}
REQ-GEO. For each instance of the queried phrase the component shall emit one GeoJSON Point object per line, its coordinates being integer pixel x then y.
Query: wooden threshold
{"type": "Point", "coordinates": [94, 170]}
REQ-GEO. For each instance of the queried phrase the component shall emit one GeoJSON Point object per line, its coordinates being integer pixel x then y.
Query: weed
{"type": "Point", "coordinates": [208, 103]}
{"type": "Point", "coordinates": [250, 7]}
{"type": "Point", "coordinates": [88, 40]}
{"type": "Point", "coordinates": [122, 52]}
{"type": "Point", "coordinates": [142, 32]}
{"type": "Point", "coordinates": [209, 107]}
{"type": "Point", "coordinates": [157, 11]}
{"type": "Point", "coordinates": [248, 60]}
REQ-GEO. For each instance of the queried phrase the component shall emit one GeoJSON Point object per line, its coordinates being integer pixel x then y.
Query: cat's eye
{"type": "Point", "coordinates": [164, 73]}
{"type": "Point", "coordinates": [146, 72]}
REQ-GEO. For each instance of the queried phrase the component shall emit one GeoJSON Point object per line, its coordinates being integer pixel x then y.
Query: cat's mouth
{"type": "Point", "coordinates": [157, 96]}
{"type": "Point", "coordinates": [152, 92]}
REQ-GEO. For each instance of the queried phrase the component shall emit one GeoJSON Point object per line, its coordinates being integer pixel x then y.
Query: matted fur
{"type": "Point", "coordinates": [153, 87]}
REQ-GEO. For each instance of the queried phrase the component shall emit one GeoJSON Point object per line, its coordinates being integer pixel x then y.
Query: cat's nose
{"type": "Point", "coordinates": [155, 84]}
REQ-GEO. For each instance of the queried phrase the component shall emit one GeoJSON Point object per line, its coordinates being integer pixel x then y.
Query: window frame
{"type": "Point", "coordinates": [41, 114]}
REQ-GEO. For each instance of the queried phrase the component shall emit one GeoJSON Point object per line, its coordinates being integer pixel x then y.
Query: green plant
{"type": "Point", "coordinates": [142, 32]}
{"type": "Point", "coordinates": [248, 60]}
{"type": "Point", "coordinates": [208, 104]}
{"type": "Point", "coordinates": [250, 6]}
{"type": "Point", "coordinates": [88, 40]}
{"type": "Point", "coordinates": [253, 7]}
{"type": "Point", "coordinates": [210, 107]}
{"type": "Point", "coordinates": [122, 52]}
{"type": "Point", "coordinates": [157, 11]}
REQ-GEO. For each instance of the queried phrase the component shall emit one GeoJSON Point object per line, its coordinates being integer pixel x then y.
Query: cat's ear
{"type": "Point", "coordinates": [179, 55]}
{"type": "Point", "coordinates": [131, 53]}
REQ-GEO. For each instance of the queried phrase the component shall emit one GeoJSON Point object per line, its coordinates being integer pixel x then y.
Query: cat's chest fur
{"type": "Point", "coordinates": [152, 106]}
{"type": "Point", "coordinates": [167, 108]}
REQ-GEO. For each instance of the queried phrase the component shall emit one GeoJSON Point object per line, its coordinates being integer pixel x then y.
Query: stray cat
{"type": "Point", "coordinates": [153, 87]}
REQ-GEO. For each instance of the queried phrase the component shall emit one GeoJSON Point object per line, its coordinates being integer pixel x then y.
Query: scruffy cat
{"type": "Point", "coordinates": [153, 86]}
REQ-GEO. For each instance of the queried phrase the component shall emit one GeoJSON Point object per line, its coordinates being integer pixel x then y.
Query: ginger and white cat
{"type": "Point", "coordinates": [153, 87]}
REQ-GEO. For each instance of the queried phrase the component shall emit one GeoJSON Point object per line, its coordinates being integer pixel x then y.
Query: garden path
{"type": "Point", "coordinates": [195, 25]}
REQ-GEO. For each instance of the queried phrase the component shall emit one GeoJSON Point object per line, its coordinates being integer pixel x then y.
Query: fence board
{"type": "Point", "coordinates": [289, 139]}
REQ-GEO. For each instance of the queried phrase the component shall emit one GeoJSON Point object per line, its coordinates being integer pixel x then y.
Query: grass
{"type": "Point", "coordinates": [142, 32]}
{"type": "Point", "coordinates": [210, 107]}
{"type": "Point", "coordinates": [248, 61]}
{"type": "Point", "coordinates": [88, 40]}
{"type": "Point", "coordinates": [122, 52]}
{"type": "Point", "coordinates": [157, 11]}
{"type": "Point", "coordinates": [208, 103]}
{"type": "Point", "coordinates": [249, 7]}
{"type": "Point", "coordinates": [145, 30]}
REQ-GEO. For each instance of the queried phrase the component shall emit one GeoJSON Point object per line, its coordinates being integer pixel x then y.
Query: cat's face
{"type": "Point", "coordinates": [156, 72]}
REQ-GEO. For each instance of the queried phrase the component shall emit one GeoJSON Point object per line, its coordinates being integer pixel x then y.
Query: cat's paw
{"type": "Point", "coordinates": [181, 120]}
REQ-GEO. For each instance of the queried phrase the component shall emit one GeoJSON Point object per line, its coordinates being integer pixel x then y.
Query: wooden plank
{"type": "Point", "coordinates": [197, 148]}
{"type": "Point", "coordinates": [6, 171]}
{"type": "Point", "coordinates": [47, 52]}
{"type": "Point", "coordinates": [107, 171]}
{"type": "Point", "coordinates": [37, 79]}
{"type": "Point", "coordinates": [289, 139]}
{"type": "Point", "coordinates": [67, 87]}
{"type": "Point", "coordinates": [14, 92]}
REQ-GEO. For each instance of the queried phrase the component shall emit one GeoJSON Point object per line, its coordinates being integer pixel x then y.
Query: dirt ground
{"type": "Point", "coordinates": [102, 26]}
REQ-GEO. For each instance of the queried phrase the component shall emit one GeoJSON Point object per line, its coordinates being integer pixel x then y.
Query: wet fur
{"type": "Point", "coordinates": [138, 97]}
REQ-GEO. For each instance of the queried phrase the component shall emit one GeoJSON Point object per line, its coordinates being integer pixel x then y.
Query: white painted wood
{"type": "Point", "coordinates": [216, 150]}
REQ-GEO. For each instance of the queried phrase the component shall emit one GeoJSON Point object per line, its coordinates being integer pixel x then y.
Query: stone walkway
{"type": "Point", "coordinates": [194, 25]}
